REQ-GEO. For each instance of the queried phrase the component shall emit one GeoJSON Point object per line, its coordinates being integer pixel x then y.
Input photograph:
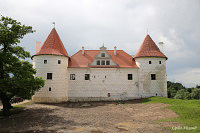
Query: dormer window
{"type": "Point", "coordinates": [107, 62]}
{"type": "Point", "coordinates": [103, 55]}
{"type": "Point", "coordinates": [103, 62]}
{"type": "Point", "coordinates": [98, 62]}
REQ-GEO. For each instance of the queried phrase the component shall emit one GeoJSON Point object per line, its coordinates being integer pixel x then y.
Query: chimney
{"type": "Point", "coordinates": [38, 47]}
{"type": "Point", "coordinates": [161, 46]}
{"type": "Point", "coordinates": [83, 52]}
{"type": "Point", "coordinates": [115, 50]}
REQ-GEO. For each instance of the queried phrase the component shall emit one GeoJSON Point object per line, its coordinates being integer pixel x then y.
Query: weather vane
{"type": "Point", "coordinates": [54, 24]}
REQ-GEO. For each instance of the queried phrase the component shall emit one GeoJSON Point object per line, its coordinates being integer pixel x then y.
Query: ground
{"type": "Point", "coordinates": [94, 117]}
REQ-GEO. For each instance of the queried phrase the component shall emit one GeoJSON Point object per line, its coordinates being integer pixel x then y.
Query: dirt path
{"type": "Point", "coordinates": [131, 117]}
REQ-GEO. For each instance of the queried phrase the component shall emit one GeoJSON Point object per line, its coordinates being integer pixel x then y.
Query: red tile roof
{"type": "Point", "coordinates": [149, 49]}
{"type": "Point", "coordinates": [53, 45]}
{"type": "Point", "coordinates": [82, 60]}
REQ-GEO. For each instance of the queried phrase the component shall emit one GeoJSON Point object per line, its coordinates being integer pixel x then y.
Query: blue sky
{"type": "Point", "coordinates": [121, 23]}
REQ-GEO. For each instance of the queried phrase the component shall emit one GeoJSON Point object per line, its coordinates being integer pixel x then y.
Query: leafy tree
{"type": "Point", "coordinates": [171, 92]}
{"type": "Point", "coordinates": [182, 94]}
{"type": "Point", "coordinates": [195, 93]}
{"type": "Point", "coordinates": [197, 86]}
{"type": "Point", "coordinates": [176, 86]}
{"type": "Point", "coordinates": [16, 74]}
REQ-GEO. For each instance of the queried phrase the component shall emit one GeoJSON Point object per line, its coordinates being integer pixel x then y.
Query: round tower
{"type": "Point", "coordinates": [152, 69]}
{"type": "Point", "coordinates": [51, 63]}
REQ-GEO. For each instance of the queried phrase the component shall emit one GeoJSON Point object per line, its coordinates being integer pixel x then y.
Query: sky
{"type": "Point", "coordinates": [121, 23]}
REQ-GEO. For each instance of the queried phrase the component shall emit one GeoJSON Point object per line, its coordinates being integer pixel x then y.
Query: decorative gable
{"type": "Point", "coordinates": [103, 59]}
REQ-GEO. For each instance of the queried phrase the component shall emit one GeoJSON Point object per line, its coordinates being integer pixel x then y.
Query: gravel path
{"type": "Point", "coordinates": [95, 117]}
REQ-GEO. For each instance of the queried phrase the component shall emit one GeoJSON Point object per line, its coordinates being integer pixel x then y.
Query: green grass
{"type": "Point", "coordinates": [188, 111]}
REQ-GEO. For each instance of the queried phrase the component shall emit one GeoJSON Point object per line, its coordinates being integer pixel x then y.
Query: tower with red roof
{"type": "Point", "coordinates": [51, 63]}
{"type": "Point", "coordinates": [152, 69]}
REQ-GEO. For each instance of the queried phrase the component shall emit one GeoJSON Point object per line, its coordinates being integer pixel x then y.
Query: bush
{"type": "Point", "coordinates": [195, 93]}
{"type": "Point", "coordinates": [182, 94]}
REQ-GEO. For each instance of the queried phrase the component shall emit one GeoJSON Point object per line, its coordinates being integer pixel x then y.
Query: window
{"type": "Point", "coordinates": [72, 76]}
{"type": "Point", "coordinates": [49, 75]}
{"type": "Point", "coordinates": [107, 62]}
{"type": "Point", "coordinates": [130, 77]}
{"type": "Point", "coordinates": [59, 61]}
{"type": "Point", "coordinates": [87, 76]}
{"type": "Point", "coordinates": [45, 61]}
{"type": "Point", "coordinates": [98, 62]}
{"type": "Point", "coordinates": [103, 55]}
{"type": "Point", "coordinates": [103, 62]}
{"type": "Point", "coordinates": [49, 88]}
{"type": "Point", "coordinates": [108, 94]}
{"type": "Point", "coordinates": [153, 76]}
{"type": "Point", "coordinates": [149, 62]}
{"type": "Point", "coordinates": [160, 62]}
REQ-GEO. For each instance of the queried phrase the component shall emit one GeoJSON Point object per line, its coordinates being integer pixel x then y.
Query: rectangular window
{"type": "Point", "coordinates": [87, 76]}
{"type": "Point", "coordinates": [130, 76]}
{"type": "Point", "coordinates": [45, 61]}
{"type": "Point", "coordinates": [72, 76]}
{"type": "Point", "coordinates": [160, 62]}
{"type": "Point", "coordinates": [149, 62]}
{"type": "Point", "coordinates": [49, 88]}
{"type": "Point", "coordinates": [153, 76]}
{"type": "Point", "coordinates": [49, 75]}
{"type": "Point", "coordinates": [98, 62]}
{"type": "Point", "coordinates": [107, 62]}
{"type": "Point", "coordinates": [103, 62]}
{"type": "Point", "coordinates": [59, 61]}
{"type": "Point", "coordinates": [102, 54]}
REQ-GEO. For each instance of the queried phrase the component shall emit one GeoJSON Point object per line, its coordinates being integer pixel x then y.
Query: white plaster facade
{"type": "Point", "coordinates": [58, 84]}
{"type": "Point", "coordinates": [104, 83]}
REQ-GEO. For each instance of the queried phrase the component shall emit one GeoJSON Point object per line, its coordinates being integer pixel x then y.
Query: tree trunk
{"type": "Point", "coordinates": [6, 104]}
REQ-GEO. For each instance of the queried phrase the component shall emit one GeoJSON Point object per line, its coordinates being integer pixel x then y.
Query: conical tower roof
{"type": "Point", "coordinates": [53, 45]}
{"type": "Point", "coordinates": [149, 49]}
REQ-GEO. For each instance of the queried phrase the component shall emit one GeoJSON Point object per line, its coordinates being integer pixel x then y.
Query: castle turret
{"type": "Point", "coordinates": [152, 69]}
{"type": "Point", "coordinates": [51, 64]}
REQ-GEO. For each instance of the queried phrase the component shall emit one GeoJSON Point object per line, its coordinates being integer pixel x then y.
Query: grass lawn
{"type": "Point", "coordinates": [188, 111]}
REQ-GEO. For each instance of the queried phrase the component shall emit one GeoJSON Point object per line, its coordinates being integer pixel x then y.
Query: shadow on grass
{"type": "Point", "coordinates": [33, 120]}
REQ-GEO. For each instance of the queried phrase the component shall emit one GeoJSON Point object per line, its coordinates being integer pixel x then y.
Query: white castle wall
{"type": "Point", "coordinates": [150, 87]}
{"type": "Point", "coordinates": [97, 88]}
{"type": "Point", "coordinates": [58, 83]}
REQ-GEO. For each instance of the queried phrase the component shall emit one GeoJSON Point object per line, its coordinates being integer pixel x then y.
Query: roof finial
{"type": "Point", "coordinates": [54, 24]}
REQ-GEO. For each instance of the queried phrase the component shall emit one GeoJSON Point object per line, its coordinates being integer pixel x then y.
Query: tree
{"type": "Point", "coordinates": [176, 86]}
{"type": "Point", "coordinates": [182, 94]}
{"type": "Point", "coordinates": [195, 93]}
{"type": "Point", "coordinates": [16, 74]}
{"type": "Point", "coordinates": [171, 92]}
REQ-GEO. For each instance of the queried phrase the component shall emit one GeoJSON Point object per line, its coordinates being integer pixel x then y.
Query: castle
{"type": "Point", "coordinates": [98, 75]}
